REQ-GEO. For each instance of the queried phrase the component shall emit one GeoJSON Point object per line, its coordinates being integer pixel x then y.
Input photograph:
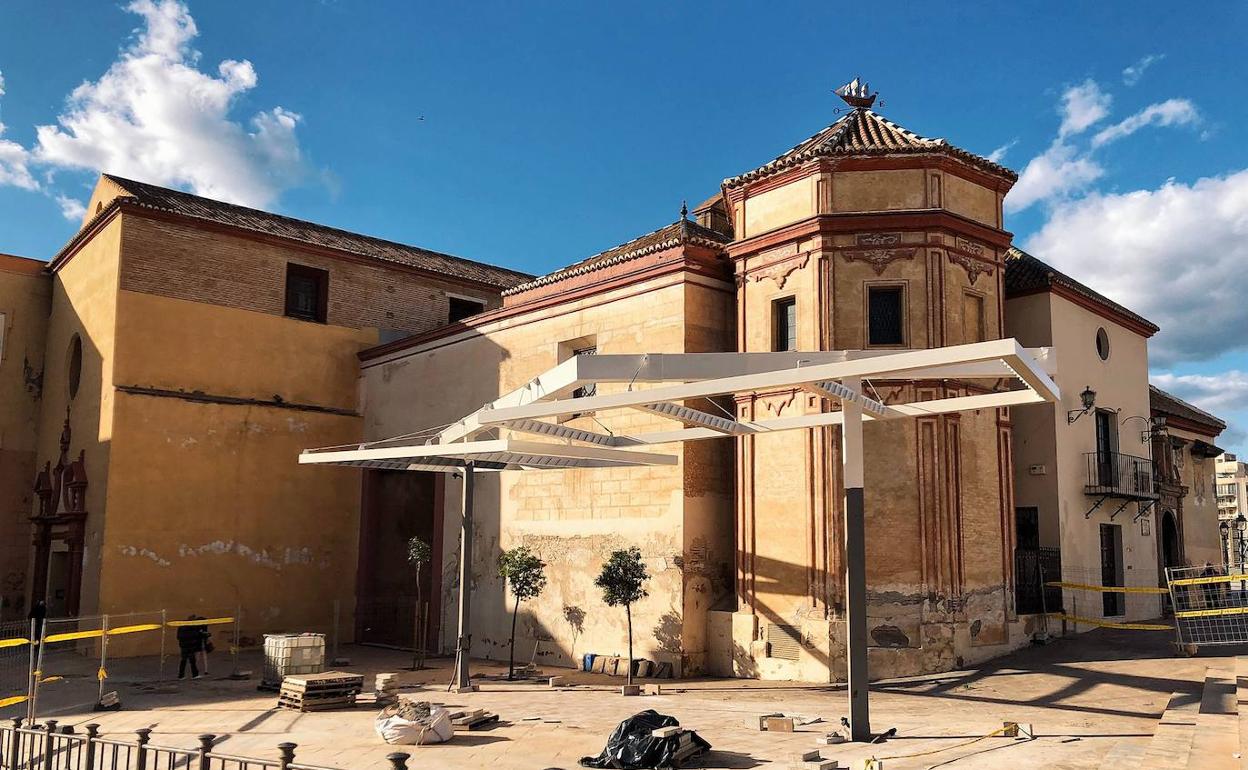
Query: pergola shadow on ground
{"type": "Point", "coordinates": [1083, 694]}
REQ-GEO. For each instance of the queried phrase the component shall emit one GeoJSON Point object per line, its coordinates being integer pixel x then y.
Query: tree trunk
{"type": "Point", "coordinates": [511, 652]}
{"type": "Point", "coordinates": [628, 611]}
{"type": "Point", "coordinates": [416, 641]}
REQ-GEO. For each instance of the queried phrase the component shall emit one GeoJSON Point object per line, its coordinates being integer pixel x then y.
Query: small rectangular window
{"type": "Point", "coordinates": [307, 293]}
{"type": "Point", "coordinates": [974, 327]}
{"type": "Point", "coordinates": [461, 308]}
{"type": "Point", "coordinates": [885, 315]}
{"type": "Point", "coordinates": [784, 324]}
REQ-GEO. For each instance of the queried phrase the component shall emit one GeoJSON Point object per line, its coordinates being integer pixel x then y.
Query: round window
{"type": "Point", "coordinates": [1102, 344]}
{"type": "Point", "coordinates": [73, 366]}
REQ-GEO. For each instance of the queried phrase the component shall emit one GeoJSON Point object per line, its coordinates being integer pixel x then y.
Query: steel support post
{"type": "Point", "coordinates": [463, 680]}
{"type": "Point", "coordinates": [855, 565]}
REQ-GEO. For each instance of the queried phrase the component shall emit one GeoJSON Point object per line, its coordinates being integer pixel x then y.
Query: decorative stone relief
{"type": "Point", "coordinates": [879, 250]}
{"type": "Point", "coordinates": [973, 267]}
{"type": "Point", "coordinates": [780, 272]}
{"type": "Point", "coordinates": [778, 405]}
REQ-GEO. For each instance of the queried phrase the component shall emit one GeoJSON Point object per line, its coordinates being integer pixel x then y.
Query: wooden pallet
{"type": "Point", "coordinates": [319, 692]}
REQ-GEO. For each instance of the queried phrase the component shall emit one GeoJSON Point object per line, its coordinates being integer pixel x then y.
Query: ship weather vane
{"type": "Point", "coordinates": [857, 94]}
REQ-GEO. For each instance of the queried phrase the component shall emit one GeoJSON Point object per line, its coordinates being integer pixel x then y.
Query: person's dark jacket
{"type": "Point", "coordinates": [191, 638]}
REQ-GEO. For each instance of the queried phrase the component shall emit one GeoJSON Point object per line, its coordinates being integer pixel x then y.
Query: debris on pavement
{"type": "Point", "coordinates": [634, 744]}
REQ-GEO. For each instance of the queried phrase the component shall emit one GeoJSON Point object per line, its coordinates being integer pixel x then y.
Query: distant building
{"type": "Point", "coordinates": [1232, 486]}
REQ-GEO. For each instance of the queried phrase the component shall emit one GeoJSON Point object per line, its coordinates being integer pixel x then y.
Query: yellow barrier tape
{"type": "Point", "coordinates": [205, 622]}
{"type": "Point", "coordinates": [1108, 624]}
{"type": "Point", "coordinates": [1196, 581]}
{"type": "Point", "coordinates": [1212, 613]}
{"type": "Point", "coordinates": [1110, 589]}
{"type": "Point", "coordinates": [6, 643]}
{"type": "Point", "coordinates": [101, 674]}
{"type": "Point", "coordinates": [134, 629]}
{"type": "Point", "coordinates": [73, 635]}
{"type": "Point", "coordinates": [12, 701]}
{"type": "Point", "coordinates": [47, 679]}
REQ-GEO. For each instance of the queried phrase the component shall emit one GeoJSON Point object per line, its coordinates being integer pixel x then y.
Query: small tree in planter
{"type": "Point", "coordinates": [418, 555]}
{"type": "Point", "coordinates": [622, 581]}
{"type": "Point", "coordinates": [525, 574]}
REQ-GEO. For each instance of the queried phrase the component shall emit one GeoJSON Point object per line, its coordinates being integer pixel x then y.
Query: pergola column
{"type": "Point", "coordinates": [855, 564]}
{"type": "Point", "coordinates": [463, 679]}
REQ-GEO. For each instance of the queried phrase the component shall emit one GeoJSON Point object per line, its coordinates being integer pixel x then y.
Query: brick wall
{"type": "Point", "coordinates": [184, 261]}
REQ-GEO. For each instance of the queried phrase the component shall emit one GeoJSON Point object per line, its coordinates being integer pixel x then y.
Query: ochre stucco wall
{"type": "Point", "coordinates": [84, 303]}
{"type": "Point", "coordinates": [25, 301]}
{"type": "Point", "coordinates": [207, 500]}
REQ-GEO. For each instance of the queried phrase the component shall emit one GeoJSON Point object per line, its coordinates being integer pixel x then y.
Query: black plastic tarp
{"type": "Point", "coordinates": [632, 745]}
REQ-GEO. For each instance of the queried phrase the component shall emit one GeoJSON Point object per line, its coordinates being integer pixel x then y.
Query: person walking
{"type": "Point", "coordinates": [190, 644]}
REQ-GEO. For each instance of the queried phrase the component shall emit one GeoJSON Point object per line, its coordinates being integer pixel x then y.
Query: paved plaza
{"type": "Point", "coordinates": [1083, 696]}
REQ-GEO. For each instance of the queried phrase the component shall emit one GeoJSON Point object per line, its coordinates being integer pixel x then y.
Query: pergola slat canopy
{"type": "Point", "coordinates": [663, 383]}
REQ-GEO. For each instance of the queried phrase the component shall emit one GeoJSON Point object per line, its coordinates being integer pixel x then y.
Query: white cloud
{"type": "Point", "coordinates": [1068, 166]}
{"type": "Point", "coordinates": [1060, 170]}
{"type": "Point", "coordinates": [1172, 112]}
{"type": "Point", "coordinates": [14, 160]}
{"type": "Point", "coordinates": [1175, 255]}
{"type": "Point", "coordinates": [1131, 75]}
{"type": "Point", "coordinates": [156, 116]}
{"type": "Point", "coordinates": [1217, 394]}
{"type": "Point", "coordinates": [71, 208]}
{"type": "Point", "coordinates": [998, 155]}
{"type": "Point", "coordinates": [1083, 106]}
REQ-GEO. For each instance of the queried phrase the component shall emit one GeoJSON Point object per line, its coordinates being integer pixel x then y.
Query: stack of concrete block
{"type": "Point", "coordinates": [386, 687]}
{"type": "Point", "coordinates": [813, 760]}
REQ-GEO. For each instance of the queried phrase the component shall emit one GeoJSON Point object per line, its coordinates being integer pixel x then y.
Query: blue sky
{"type": "Point", "coordinates": [533, 135]}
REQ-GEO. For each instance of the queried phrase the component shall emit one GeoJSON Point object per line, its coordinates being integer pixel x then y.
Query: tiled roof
{"type": "Point", "coordinates": [188, 205]}
{"type": "Point", "coordinates": [863, 132]}
{"type": "Point", "coordinates": [1025, 274]}
{"type": "Point", "coordinates": [680, 232]}
{"type": "Point", "coordinates": [1168, 403]}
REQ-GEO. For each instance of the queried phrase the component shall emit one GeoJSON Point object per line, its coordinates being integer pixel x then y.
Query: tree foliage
{"type": "Point", "coordinates": [524, 572]}
{"type": "Point", "coordinates": [623, 578]}
{"type": "Point", "coordinates": [418, 552]}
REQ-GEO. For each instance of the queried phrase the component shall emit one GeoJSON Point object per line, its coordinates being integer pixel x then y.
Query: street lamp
{"type": "Point", "coordinates": [1087, 399]}
{"type": "Point", "coordinates": [1225, 530]}
{"type": "Point", "coordinates": [1241, 524]}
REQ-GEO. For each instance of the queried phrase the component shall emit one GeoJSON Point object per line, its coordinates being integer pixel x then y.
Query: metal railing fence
{"type": "Point", "coordinates": [1119, 475]}
{"type": "Point", "coordinates": [49, 747]}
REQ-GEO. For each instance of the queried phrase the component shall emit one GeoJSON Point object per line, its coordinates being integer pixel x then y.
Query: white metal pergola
{"type": "Point", "coordinates": [661, 384]}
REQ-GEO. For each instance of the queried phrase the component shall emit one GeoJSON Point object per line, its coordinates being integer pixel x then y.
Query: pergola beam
{"type": "Point", "coordinates": [697, 418]}
{"type": "Point", "coordinates": [898, 364]}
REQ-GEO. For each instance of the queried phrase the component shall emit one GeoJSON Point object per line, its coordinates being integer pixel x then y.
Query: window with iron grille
{"type": "Point", "coordinates": [307, 293]}
{"type": "Point", "coordinates": [784, 324]}
{"type": "Point", "coordinates": [886, 315]}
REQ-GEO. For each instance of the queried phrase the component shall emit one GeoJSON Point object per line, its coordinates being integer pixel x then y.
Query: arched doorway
{"type": "Point", "coordinates": [1171, 553]}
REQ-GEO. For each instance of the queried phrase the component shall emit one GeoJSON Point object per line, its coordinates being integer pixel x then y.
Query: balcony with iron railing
{"type": "Point", "coordinates": [1113, 474]}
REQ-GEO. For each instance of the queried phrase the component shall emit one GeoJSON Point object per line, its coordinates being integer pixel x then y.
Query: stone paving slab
{"type": "Point", "coordinates": [1083, 695]}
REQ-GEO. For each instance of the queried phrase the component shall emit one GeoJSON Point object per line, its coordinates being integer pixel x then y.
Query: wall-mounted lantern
{"type": "Point", "coordinates": [1088, 399]}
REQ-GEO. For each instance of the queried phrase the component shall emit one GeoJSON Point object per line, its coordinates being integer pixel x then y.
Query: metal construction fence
{"type": "Point", "coordinates": [80, 659]}
{"type": "Point", "coordinates": [1210, 604]}
{"type": "Point", "coordinates": [49, 747]}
